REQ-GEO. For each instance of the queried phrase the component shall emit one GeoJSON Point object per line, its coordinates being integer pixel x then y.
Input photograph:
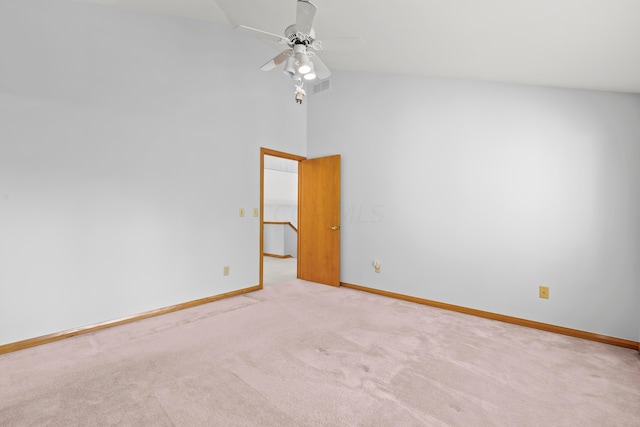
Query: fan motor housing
{"type": "Point", "coordinates": [297, 37]}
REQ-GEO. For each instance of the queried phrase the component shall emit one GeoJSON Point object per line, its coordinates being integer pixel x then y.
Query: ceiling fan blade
{"type": "Point", "coordinates": [344, 43]}
{"type": "Point", "coordinates": [305, 13]}
{"type": "Point", "coordinates": [263, 35]}
{"type": "Point", "coordinates": [277, 60]}
{"type": "Point", "coordinates": [322, 71]}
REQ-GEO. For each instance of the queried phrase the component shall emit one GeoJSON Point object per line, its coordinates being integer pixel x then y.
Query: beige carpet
{"type": "Point", "coordinates": [278, 270]}
{"type": "Point", "coordinates": [298, 354]}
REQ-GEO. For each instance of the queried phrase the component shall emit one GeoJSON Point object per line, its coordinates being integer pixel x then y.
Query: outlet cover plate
{"type": "Point", "coordinates": [544, 292]}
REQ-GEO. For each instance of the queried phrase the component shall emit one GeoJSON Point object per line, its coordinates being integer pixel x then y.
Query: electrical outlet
{"type": "Point", "coordinates": [226, 270]}
{"type": "Point", "coordinates": [544, 292]}
{"type": "Point", "coordinates": [376, 265]}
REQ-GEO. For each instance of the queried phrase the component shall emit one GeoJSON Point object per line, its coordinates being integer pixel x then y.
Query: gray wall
{"type": "Point", "coordinates": [290, 241]}
{"type": "Point", "coordinates": [475, 194]}
{"type": "Point", "coordinates": [274, 239]}
{"type": "Point", "coordinates": [128, 142]}
{"type": "Point", "coordinates": [280, 239]}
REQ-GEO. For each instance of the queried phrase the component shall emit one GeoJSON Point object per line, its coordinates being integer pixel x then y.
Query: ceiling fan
{"type": "Point", "coordinates": [301, 63]}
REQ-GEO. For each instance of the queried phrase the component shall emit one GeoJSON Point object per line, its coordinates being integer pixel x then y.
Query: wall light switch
{"type": "Point", "coordinates": [241, 211]}
{"type": "Point", "coordinates": [255, 211]}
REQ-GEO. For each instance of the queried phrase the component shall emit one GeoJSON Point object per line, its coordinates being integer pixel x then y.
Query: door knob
{"type": "Point", "coordinates": [335, 228]}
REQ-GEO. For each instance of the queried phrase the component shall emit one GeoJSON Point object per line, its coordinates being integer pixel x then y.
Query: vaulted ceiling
{"type": "Point", "coordinates": [584, 44]}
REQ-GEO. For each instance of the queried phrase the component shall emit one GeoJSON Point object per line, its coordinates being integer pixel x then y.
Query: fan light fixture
{"type": "Point", "coordinates": [311, 74]}
{"type": "Point", "coordinates": [290, 66]}
{"type": "Point", "coordinates": [304, 64]}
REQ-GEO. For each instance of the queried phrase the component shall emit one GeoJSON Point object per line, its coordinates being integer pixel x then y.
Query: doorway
{"type": "Point", "coordinates": [317, 218]}
{"type": "Point", "coordinates": [279, 222]}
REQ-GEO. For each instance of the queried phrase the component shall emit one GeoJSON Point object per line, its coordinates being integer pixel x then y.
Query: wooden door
{"type": "Point", "coordinates": [319, 220]}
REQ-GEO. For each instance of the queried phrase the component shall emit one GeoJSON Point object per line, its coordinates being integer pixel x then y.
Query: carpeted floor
{"type": "Point", "coordinates": [298, 353]}
{"type": "Point", "coordinates": [278, 270]}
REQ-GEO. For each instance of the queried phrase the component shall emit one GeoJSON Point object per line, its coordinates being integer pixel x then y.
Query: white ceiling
{"type": "Point", "coordinates": [589, 44]}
